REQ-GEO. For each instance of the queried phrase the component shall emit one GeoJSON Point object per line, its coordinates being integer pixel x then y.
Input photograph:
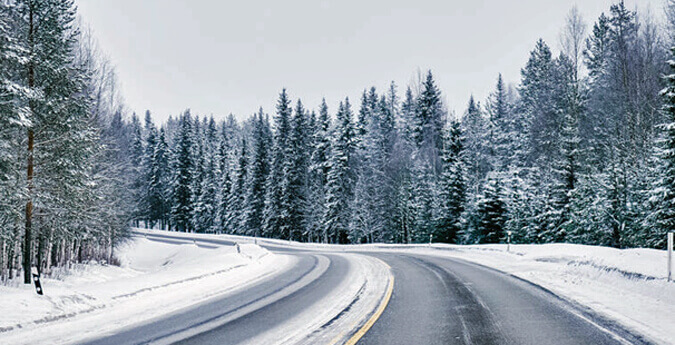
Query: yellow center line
{"type": "Point", "coordinates": [358, 335]}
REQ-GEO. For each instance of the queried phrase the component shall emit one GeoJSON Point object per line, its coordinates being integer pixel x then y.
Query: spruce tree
{"type": "Point", "coordinates": [275, 219]}
{"type": "Point", "coordinates": [475, 128]}
{"type": "Point", "coordinates": [339, 191]}
{"type": "Point", "coordinates": [158, 189]}
{"type": "Point", "coordinates": [224, 196]}
{"type": "Point", "coordinates": [259, 170]}
{"type": "Point", "coordinates": [491, 213]}
{"type": "Point", "coordinates": [663, 195]}
{"type": "Point", "coordinates": [239, 188]}
{"type": "Point", "coordinates": [199, 161]}
{"type": "Point", "coordinates": [137, 152]}
{"type": "Point", "coordinates": [183, 170]}
{"type": "Point", "coordinates": [296, 189]}
{"type": "Point", "coordinates": [318, 173]}
{"type": "Point", "coordinates": [146, 168]}
{"type": "Point", "coordinates": [566, 167]}
{"type": "Point", "coordinates": [13, 124]}
{"type": "Point", "coordinates": [429, 123]}
{"type": "Point", "coordinates": [452, 188]}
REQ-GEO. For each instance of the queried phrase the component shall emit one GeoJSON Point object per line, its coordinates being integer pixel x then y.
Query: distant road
{"type": "Point", "coordinates": [434, 301]}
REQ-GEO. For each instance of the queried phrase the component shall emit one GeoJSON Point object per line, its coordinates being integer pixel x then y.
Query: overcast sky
{"type": "Point", "coordinates": [221, 57]}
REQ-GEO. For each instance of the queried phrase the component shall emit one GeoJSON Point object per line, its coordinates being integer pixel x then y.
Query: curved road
{"type": "Point", "coordinates": [434, 301]}
{"type": "Point", "coordinates": [446, 301]}
{"type": "Point", "coordinates": [245, 314]}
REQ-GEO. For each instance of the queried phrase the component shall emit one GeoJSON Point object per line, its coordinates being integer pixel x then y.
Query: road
{"type": "Point", "coordinates": [447, 301]}
{"type": "Point", "coordinates": [434, 301]}
{"type": "Point", "coordinates": [242, 315]}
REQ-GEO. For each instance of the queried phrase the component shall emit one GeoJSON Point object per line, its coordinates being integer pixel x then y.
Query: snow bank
{"type": "Point", "coordinates": [337, 315]}
{"type": "Point", "coordinates": [626, 285]}
{"type": "Point", "coordinates": [154, 279]}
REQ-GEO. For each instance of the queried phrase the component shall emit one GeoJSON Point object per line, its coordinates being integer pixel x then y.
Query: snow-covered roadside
{"type": "Point", "coordinates": [338, 315]}
{"type": "Point", "coordinates": [154, 279]}
{"type": "Point", "coordinates": [626, 285]}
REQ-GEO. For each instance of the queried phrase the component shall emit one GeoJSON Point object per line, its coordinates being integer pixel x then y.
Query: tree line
{"type": "Point", "coordinates": [63, 159]}
{"type": "Point", "coordinates": [572, 153]}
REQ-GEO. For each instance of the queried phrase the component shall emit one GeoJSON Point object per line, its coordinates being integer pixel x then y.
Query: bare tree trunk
{"type": "Point", "coordinates": [112, 245]}
{"type": "Point", "coordinates": [11, 256]}
{"type": "Point", "coordinates": [27, 254]}
{"type": "Point", "coordinates": [48, 251]}
{"type": "Point", "coordinates": [2, 259]}
{"type": "Point", "coordinates": [54, 253]}
{"type": "Point", "coordinates": [40, 253]}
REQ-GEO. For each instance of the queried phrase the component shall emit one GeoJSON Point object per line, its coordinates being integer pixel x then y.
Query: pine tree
{"type": "Point", "coordinates": [663, 195]}
{"type": "Point", "coordinates": [199, 161]}
{"type": "Point", "coordinates": [538, 104]}
{"type": "Point", "coordinates": [183, 170]}
{"type": "Point", "coordinates": [491, 213]}
{"type": "Point", "coordinates": [423, 188]}
{"type": "Point", "coordinates": [13, 124]}
{"type": "Point", "coordinates": [407, 120]}
{"type": "Point", "coordinates": [146, 168]}
{"type": "Point", "coordinates": [475, 129]}
{"type": "Point", "coordinates": [61, 142]}
{"type": "Point", "coordinates": [452, 188]}
{"type": "Point", "coordinates": [429, 123]}
{"type": "Point", "coordinates": [239, 188]}
{"type": "Point", "coordinates": [502, 135]}
{"type": "Point", "coordinates": [297, 175]}
{"type": "Point", "coordinates": [137, 152]}
{"type": "Point", "coordinates": [259, 170]}
{"type": "Point", "coordinates": [318, 173]}
{"type": "Point", "coordinates": [225, 212]}
{"type": "Point", "coordinates": [158, 190]}
{"type": "Point", "coordinates": [321, 151]}
{"type": "Point", "coordinates": [276, 222]}
{"type": "Point", "coordinates": [339, 191]}
{"type": "Point", "coordinates": [566, 167]}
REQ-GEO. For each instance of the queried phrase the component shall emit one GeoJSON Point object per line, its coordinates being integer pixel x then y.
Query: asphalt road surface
{"type": "Point", "coordinates": [434, 301]}
{"type": "Point", "coordinates": [445, 301]}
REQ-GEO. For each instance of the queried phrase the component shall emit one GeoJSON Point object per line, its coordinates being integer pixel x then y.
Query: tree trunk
{"type": "Point", "coordinates": [112, 246]}
{"type": "Point", "coordinates": [27, 254]}
{"type": "Point", "coordinates": [40, 254]}
{"type": "Point", "coordinates": [2, 259]}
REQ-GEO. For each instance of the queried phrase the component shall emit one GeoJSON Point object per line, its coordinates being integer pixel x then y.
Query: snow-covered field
{"type": "Point", "coordinates": [626, 285]}
{"type": "Point", "coordinates": [154, 279]}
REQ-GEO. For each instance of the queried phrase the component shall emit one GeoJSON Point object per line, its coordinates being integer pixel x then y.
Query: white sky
{"type": "Point", "coordinates": [221, 57]}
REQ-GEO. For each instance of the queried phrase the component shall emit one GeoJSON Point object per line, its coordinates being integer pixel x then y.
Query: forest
{"type": "Point", "coordinates": [580, 150]}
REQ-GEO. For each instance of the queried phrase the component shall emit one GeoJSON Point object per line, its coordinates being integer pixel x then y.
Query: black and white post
{"type": "Point", "coordinates": [670, 256]}
{"type": "Point", "coordinates": [36, 280]}
{"type": "Point", "coordinates": [508, 241]}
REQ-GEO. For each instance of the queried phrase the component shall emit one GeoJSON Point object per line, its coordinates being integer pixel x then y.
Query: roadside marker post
{"type": "Point", "coordinates": [670, 256]}
{"type": "Point", "coordinates": [36, 280]}
{"type": "Point", "coordinates": [431, 238]}
{"type": "Point", "coordinates": [508, 241]}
